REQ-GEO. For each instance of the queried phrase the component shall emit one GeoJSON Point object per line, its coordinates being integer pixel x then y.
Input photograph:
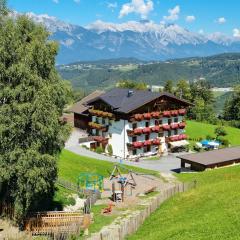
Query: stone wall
{"type": "Point", "coordinates": [128, 225]}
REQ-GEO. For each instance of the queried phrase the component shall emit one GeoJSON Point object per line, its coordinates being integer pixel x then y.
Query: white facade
{"type": "Point", "coordinates": [118, 137]}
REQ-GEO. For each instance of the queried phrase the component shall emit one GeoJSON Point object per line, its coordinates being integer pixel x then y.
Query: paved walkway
{"type": "Point", "coordinates": [167, 164]}
{"type": "Point", "coordinates": [164, 164]}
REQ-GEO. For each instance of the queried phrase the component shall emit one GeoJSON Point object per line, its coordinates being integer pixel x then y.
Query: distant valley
{"type": "Point", "coordinates": [220, 70]}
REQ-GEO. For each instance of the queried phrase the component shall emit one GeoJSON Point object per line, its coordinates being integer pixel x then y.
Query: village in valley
{"type": "Point", "coordinates": [115, 148]}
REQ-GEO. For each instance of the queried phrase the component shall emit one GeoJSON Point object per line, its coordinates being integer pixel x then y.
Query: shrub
{"type": "Point", "coordinates": [99, 150]}
{"type": "Point", "coordinates": [110, 149]}
{"type": "Point", "coordinates": [84, 146]}
{"type": "Point", "coordinates": [209, 137]}
{"type": "Point", "coordinates": [71, 201]}
{"type": "Point", "coordinates": [220, 131]}
{"type": "Point", "coordinates": [224, 142]}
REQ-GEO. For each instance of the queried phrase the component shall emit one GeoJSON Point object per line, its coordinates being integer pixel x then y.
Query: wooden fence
{"type": "Point", "coordinates": [6, 210]}
{"type": "Point", "coordinates": [55, 223]}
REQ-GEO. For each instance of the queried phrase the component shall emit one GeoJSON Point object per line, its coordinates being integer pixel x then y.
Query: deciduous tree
{"type": "Point", "coordinates": [32, 98]}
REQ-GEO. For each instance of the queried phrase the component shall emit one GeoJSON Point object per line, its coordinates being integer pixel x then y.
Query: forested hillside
{"type": "Point", "coordinates": [220, 70]}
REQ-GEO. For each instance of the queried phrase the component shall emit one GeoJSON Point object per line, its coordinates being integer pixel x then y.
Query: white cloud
{"type": "Point", "coordinates": [173, 14]}
{"type": "Point", "coordinates": [141, 7]}
{"type": "Point", "coordinates": [55, 1]}
{"type": "Point", "coordinates": [112, 6]}
{"type": "Point", "coordinates": [236, 32]}
{"type": "Point", "coordinates": [76, 1]}
{"type": "Point", "coordinates": [221, 20]}
{"type": "Point", "coordinates": [201, 31]}
{"type": "Point", "coordinates": [190, 18]}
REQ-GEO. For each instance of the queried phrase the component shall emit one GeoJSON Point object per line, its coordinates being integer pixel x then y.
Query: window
{"type": "Point", "coordinates": [156, 122]}
{"type": "Point", "coordinates": [110, 135]}
{"type": "Point", "coordinates": [160, 134]}
{"type": "Point", "coordinates": [147, 149]}
{"type": "Point", "coordinates": [97, 120]}
{"type": "Point", "coordinates": [147, 137]}
{"type": "Point", "coordinates": [175, 119]}
{"type": "Point", "coordinates": [169, 121]}
{"type": "Point", "coordinates": [147, 124]}
{"type": "Point", "coordinates": [97, 132]}
{"type": "Point", "coordinates": [103, 121]}
{"type": "Point", "coordinates": [134, 151]}
{"type": "Point", "coordinates": [134, 125]}
{"type": "Point", "coordinates": [175, 132]}
{"type": "Point", "coordinates": [169, 133]}
{"type": "Point", "coordinates": [134, 139]}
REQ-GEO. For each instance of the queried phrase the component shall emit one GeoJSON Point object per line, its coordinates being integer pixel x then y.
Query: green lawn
{"type": "Point", "coordinates": [209, 212]}
{"type": "Point", "coordinates": [70, 165]}
{"type": "Point", "coordinates": [197, 130]}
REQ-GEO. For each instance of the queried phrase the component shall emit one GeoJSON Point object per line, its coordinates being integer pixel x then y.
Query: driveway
{"type": "Point", "coordinates": [165, 164]}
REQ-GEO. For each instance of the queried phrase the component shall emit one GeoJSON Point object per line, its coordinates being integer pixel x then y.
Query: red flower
{"type": "Point", "coordinates": [146, 130]}
{"type": "Point", "coordinates": [182, 111]}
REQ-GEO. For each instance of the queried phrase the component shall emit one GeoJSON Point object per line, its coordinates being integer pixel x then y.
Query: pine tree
{"type": "Point", "coordinates": [168, 86]}
{"type": "Point", "coordinates": [32, 98]}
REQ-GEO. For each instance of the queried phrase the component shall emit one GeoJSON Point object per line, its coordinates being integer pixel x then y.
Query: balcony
{"type": "Point", "coordinates": [100, 139]}
{"type": "Point", "coordinates": [174, 125]}
{"type": "Point", "coordinates": [102, 114]}
{"type": "Point", "coordinates": [97, 126]}
{"type": "Point", "coordinates": [166, 127]}
{"type": "Point", "coordinates": [182, 112]}
{"type": "Point", "coordinates": [182, 125]}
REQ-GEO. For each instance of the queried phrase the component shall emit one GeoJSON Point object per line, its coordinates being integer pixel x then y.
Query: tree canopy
{"type": "Point", "coordinates": [132, 85]}
{"type": "Point", "coordinates": [32, 98]}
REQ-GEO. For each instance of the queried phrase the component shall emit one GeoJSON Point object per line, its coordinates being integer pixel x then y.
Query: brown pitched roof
{"type": "Point", "coordinates": [213, 157]}
{"type": "Point", "coordinates": [81, 106]}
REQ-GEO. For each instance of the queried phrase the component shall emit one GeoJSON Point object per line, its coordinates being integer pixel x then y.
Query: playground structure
{"type": "Point", "coordinates": [90, 181]}
{"type": "Point", "coordinates": [124, 181]}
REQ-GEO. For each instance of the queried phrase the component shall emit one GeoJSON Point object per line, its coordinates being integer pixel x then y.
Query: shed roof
{"type": "Point", "coordinates": [213, 157]}
{"type": "Point", "coordinates": [120, 100]}
{"type": "Point", "coordinates": [82, 106]}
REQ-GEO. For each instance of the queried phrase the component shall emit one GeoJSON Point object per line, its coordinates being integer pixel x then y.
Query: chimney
{"type": "Point", "coordinates": [130, 93]}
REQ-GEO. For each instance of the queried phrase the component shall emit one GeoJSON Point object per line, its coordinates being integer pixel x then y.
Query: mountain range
{"type": "Point", "coordinates": [144, 40]}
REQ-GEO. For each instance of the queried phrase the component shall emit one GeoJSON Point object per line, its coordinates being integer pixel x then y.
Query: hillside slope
{"type": "Point", "coordinates": [208, 212]}
{"type": "Point", "coordinates": [220, 70]}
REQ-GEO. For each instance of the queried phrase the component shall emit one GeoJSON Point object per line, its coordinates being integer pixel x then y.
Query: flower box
{"type": "Point", "coordinates": [174, 125]}
{"type": "Point", "coordinates": [147, 143]}
{"type": "Point", "coordinates": [166, 127]}
{"type": "Point", "coordinates": [166, 114]}
{"type": "Point", "coordinates": [137, 144]}
{"type": "Point", "coordinates": [146, 130]}
{"type": "Point", "coordinates": [156, 142]}
{"type": "Point", "coordinates": [147, 116]}
{"type": "Point", "coordinates": [174, 112]}
{"type": "Point", "coordinates": [138, 117]}
{"type": "Point", "coordinates": [155, 129]}
{"type": "Point", "coordinates": [182, 125]}
{"type": "Point", "coordinates": [182, 112]}
{"type": "Point", "coordinates": [137, 131]}
{"type": "Point", "coordinates": [155, 114]}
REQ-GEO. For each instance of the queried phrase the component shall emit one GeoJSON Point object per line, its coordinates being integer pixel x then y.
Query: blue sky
{"type": "Point", "coordinates": [196, 15]}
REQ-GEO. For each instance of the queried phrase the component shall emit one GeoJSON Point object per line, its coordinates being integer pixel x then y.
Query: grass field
{"type": "Point", "coordinates": [201, 130]}
{"type": "Point", "coordinates": [209, 212]}
{"type": "Point", "coordinates": [70, 165]}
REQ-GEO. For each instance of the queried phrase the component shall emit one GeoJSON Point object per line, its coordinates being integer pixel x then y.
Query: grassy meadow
{"type": "Point", "coordinates": [197, 130]}
{"type": "Point", "coordinates": [209, 212]}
